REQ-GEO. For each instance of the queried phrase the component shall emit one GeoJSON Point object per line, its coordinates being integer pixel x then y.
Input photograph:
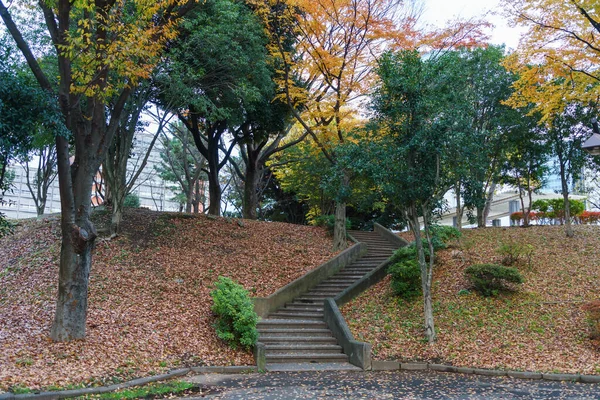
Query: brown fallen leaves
{"type": "Point", "coordinates": [149, 303]}
{"type": "Point", "coordinates": [540, 328]}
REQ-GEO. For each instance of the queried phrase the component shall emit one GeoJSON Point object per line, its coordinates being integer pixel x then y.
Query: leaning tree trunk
{"type": "Point", "coordinates": [488, 201]}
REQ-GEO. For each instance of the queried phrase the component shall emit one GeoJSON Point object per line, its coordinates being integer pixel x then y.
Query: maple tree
{"type": "Point", "coordinates": [103, 47]}
{"type": "Point", "coordinates": [328, 71]}
{"type": "Point", "coordinates": [558, 57]}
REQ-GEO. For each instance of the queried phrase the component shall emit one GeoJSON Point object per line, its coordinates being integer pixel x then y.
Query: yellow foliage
{"type": "Point", "coordinates": [558, 58]}
{"type": "Point", "coordinates": [122, 38]}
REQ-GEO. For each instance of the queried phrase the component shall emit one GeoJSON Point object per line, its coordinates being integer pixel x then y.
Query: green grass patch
{"type": "Point", "coordinates": [150, 391]}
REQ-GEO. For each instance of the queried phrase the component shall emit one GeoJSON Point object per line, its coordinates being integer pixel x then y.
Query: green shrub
{"type": "Point", "coordinates": [328, 221]}
{"type": "Point", "coordinates": [511, 252]}
{"type": "Point", "coordinates": [6, 227]}
{"type": "Point", "coordinates": [406, 273]}
{"type": "Point", "coordinates": [442, 234]}
{"type": "Point", "coordinates": [132, 200]}
{"type": "Point", "coordinates": [236, 319]}
{"type": "Point", "coordinates": [489, 279]}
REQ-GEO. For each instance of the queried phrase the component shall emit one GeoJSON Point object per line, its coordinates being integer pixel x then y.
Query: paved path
{"type": "Point", "coordinates": [387, 385]}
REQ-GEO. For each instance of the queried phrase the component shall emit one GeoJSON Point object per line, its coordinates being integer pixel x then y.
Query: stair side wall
{"type": "Point", "coordinates": [389, 235]}
{"type": "Point", "coordinates": [359, 353]}
{"type": "Point", "coordinates": [263, 306]}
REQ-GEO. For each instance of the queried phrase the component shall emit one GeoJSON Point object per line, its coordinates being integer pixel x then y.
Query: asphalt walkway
{"type": "Point", "coordinates": [386, 385]}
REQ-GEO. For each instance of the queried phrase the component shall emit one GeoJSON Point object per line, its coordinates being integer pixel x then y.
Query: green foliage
{"type": "Point", "coordinates": [511, 252]}
{"type": "Point", "coordinates": [553, 210]}
{"type": "Point", "coordinates": [490, 279]}
{"type": "Point", "coordinates": [445, 233]}
{"type": "Point", "coordinates": [441, 235]}
{"type": "Point", "coordinates": [328, 221]}
{"type": "Point", "coordinates": [6, 227]}
{"type": "Point", "coordinates": [132, 200]}
{"type": "Point", "coordinates": [236, 319]}
{"type": "Point", "coordinates": [406, 273]}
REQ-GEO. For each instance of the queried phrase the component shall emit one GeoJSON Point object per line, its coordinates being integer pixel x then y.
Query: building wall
{"type": "Point", "coordinates": [152, 191]}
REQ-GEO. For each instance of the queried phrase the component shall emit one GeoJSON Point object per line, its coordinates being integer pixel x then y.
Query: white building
{"type": "Point", "coordinates": [152, 191]}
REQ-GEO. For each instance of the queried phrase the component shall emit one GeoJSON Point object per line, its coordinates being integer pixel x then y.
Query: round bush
{"type": "Point", "coordinates": [490, 279]}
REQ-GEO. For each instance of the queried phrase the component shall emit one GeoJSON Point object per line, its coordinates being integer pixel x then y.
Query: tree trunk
{"type": "Point", "coordinates": [118, 201]}
{"type": "Point", "coordinates": [251, 190]}
{"type": "Point", "coordinates": [78, 238]}
{"type": "Point", "coordinates": [426, 274]}
{"type": "Point", "coordinates": [340, 241]}
{"type": "Point", "coordinates": [481, 217]}
{"type": "Point", "coordinates": [459, 209]}
{"type": "Point", "coordinates": [565, 192]}
{"type": "Point", "coordinates": [488, 201]}
{"type": "Point", "coordinates": [214, 191]}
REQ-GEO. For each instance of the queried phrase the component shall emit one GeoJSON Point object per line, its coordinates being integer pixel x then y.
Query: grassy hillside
{"type": "Point", "coordinates": [539, 328]}
{"type": "Point", "coordinates": [149, 303]}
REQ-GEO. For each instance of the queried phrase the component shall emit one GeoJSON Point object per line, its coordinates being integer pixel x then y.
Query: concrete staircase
{"type": "Point", "coordinates": [297, 334]}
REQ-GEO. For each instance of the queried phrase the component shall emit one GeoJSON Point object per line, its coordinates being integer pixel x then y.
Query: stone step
{"type": "Point", "coordinates": [319, 293]}
{"type": "Point", "coordinates": [293, 314]}
{"type": "Point", "coordinates": [290, 324]}
{"type": "Point", "coordinates": [306, 358]}
{"type": "Point", "coordinates": [270, 339]}
{"type": "Point", "coordinates": [357, 270]}
{"type": "Point", "coordinates": [285, 333]}
{"type": "Point", "coordinates": [369, 261]}
{"type": "Point", "coordinates": [313, 366]}
{"type": "Point", "coordinates": [326, 286]}
{"type": "Point", "coordinates": [342, 280]}
{"type": "Point", "coordinates": [314, 300]}
{"type": "Point", "coordinates": [302, 307]}
{"type": "Point", "coordinates": [272, 349]}
{"type": "Point", "coordinates": [350, 275]}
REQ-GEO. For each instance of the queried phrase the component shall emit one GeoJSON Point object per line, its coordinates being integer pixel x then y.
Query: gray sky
{"type": "Point", "coordinates": [437, 12]}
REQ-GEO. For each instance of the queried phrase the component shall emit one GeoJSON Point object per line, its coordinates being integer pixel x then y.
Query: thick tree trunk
{"type": "Point", "coordinates": [340, 241]}
{"type": "Point", "coordinates": [251, 190]}
{"type": "Point", "coordinates": [214, 191]}
{"type": "Point", "coordinates": [488, 201]}
{"type": "Point", "coordinates": [78, 238]}
{"type": "Point", "coordinates": [481, 217]}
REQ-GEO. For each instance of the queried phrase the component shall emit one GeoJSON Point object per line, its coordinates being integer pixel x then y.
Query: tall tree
{"type": "Point", "coordinates": [526, 165]}
{"type": "Point", "coordinates": [478, 163]}
{"type": "Point", "coordinates": [419, 124]}
{"type": "Point", "coordinates": [103, 47]}
{"type": "Point", "coordinates": [564, 136]}
{"type": "Point", "coordinates": [338, 43]}
{"type": "Point", "coordinates": [214, 75]}
{"type": "Point", "coordinates": [120, 176]}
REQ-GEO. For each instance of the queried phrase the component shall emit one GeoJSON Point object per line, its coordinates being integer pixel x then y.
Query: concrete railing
{"type": "Point", "coordinates": [389, 235]}
{"type": "Point", "coordinates": [359, 353]}
{"type": "Point", "coordinates": [263, 306]}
